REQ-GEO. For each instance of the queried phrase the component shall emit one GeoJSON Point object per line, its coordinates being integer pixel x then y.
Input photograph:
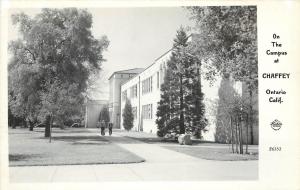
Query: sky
{"type": "Point", "coordinates": [137, 36]}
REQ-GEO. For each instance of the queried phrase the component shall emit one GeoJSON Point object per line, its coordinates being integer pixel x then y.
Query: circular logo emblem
{"type": "Point", "coordinates": [276, 125]}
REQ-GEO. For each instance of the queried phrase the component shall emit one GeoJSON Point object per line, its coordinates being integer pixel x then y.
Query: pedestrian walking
{"type": "Point", "coordinates": [102, 126]}
{"type": "Point", "coordinates": [110, 126]}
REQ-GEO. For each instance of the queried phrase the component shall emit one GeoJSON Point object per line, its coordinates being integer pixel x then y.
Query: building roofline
{"type": "Point", "coordinates": [154, 61]}
{"type": "Point", "coordinates": [116, 72]}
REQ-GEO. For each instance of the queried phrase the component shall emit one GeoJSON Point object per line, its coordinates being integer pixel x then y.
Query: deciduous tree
{"type": "Point", "coordinates": [52, 62]}
{"type": "Point", "coordinates": [228, 39]}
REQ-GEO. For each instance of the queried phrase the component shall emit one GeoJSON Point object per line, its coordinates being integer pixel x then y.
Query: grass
{"type": "Point", "coordinates": [200, 149]}
{"type": "Point", "coordinates": [220, 153]}
{"type": "Point", "coordinates": [68, 147]}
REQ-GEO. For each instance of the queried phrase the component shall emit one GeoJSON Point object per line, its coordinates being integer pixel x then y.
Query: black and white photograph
{"type": "Point", "coordinates": [132, 94]}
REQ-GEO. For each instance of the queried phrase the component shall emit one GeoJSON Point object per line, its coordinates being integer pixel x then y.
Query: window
{"type": "Point", "coordinates": [147, 111]}
{"type": "Point", "coordinates": [133, 91]}
{"type": "Point", "coordinates": [134, 111]}
{"type": "Point", "coordinates": [147, 85]}
{"type": "Point", "coordinates": [157, 79]}
{"type": "Point", "coordinates": [162, 74]}
{"type": "Point", "coordinates": [124, 95]}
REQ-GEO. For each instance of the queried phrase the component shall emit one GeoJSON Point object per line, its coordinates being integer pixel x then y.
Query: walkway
{"type": "Point", "coordinates": [161, 164]}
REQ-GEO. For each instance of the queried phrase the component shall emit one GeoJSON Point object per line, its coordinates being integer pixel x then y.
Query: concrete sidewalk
{"type": "Point", "coordinates": [161, 164]}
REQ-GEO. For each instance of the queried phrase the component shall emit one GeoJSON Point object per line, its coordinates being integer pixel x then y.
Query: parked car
{"type": "Point", "coordinates": [42, 125]}
{"type": "Point", "coordinates": [76, 125]}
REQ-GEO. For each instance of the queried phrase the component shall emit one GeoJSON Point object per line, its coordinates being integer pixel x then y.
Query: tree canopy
{"type": "Point", "coordinates": [52, 61]}
{"type": "Point", "coordinates": [227, 36]}
{"type": "Point", "coordinates": [227, 42]}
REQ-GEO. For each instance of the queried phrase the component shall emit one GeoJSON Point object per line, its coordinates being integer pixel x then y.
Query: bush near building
{"type": "Point", "coordinates": [128, 116]}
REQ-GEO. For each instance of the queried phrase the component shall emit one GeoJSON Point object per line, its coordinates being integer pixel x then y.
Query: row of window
{"type": "Point", "coordinates": [133, 91]}
{"type": "Point", "coordinates": [124, 75]}
{"type": "Point", "coordinates": [147, 111]}
{"type": "Point", "coordinates": [134, 111]}
{"type": "Point", "coordinates": [147, 84]}
{"type": "Point", "coordinates": [146, 87]}
{"type": "Point", "coordinates": [124, 95]}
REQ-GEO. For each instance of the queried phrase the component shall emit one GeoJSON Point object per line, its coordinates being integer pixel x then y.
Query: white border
{"type": "Point", "coordinates": [277, 170]}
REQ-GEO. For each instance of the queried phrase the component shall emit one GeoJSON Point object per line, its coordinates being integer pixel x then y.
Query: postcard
{"type": "Point", "coordinates": [150, 94]}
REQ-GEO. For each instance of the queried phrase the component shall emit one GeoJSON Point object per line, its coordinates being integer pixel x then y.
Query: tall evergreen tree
{"type": "Point", "coordinates": [128, 116]}
{"type": "Point", "coordinates": [181, 97]}
{"type": "Point", "coordinates": [164, 109]}
{"type": "Point", "coordinates": [178, 66]}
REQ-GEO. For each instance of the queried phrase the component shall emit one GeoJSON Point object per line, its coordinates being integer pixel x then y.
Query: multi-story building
{"type": "Point", "coordinates": [143, 91]}
{"type": "Point", "coordinates": [115, 81]}
{"type": "Point", "coordinates": [92, 111]}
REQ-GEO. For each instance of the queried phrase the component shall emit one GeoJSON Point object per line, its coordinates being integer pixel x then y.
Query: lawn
{"type": "Point", "coordinates": [216, 152]}
{"type": "Point", "coordinates": [68, 147]}
{"type": "Point", "coordinates": [200, 149]}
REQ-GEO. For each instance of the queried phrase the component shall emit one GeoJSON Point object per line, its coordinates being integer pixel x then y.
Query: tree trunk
{"type": "Point", "coordinates": [47, 126]}
{"type": "Point", "coordinates": [30, 125]}
{"type": "Point", "coordinates": [24, 123]}
{"type": "Point", "coordinates": [251, 117]}
{"type": "Point", "coordinates": [200, 94]}
{"type": "Point", "coordinates": [241, 135]}
{"type": "Point", "coordinates": [200, 133]}
{"type": "Point", "coordinates": [247, 133]}
{"type": "Point", "coordinates": [181, 125]}
{"type": "Point", "coordinates": [51, 123]}
{"type": "Point", "coordinates": [236, 136]}
{"type": "Point", "coordinates": [231, 128]}
{"type": "Point", "coordinates": [14, 123]}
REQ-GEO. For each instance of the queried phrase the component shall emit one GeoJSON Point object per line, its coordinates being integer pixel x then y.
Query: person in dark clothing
{"type": "Point", "coordinates": [110, 126]}
{"type": "Point", "coordinates": [102, 126]}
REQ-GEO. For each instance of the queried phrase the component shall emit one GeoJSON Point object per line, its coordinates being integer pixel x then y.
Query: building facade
{"type": "Point", "coordinates": [92, 111]}
{"type": "Point", "coordinates": [143, 91]}
{"type": "Point", "coordinates": [115, 81]}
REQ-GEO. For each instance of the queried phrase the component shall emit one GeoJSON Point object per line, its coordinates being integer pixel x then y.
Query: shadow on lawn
{"type": "Point", "coordinates": [160, 140]}
{"type": "Point", "coordinates": [79, 138]}
{"type": "Point", "coordinates": [67, 130]}
{"type": "Point", "coordinates": [135, 140]}
{"type": "Point", "coordinates": [153, 140]}
{"type": "Point", "coordinates": [21, 157]}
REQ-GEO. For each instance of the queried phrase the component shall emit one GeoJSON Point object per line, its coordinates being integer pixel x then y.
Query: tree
{"type": "Point", "coordinates": [127, 116]}
{"type": "Point", "coordinates": [23, 99]}
{"type": "Point", "coordinates": [178, 65]}
{"type": "Point", "coordinates": [196, 108]}
{"type": "Point", "coordinates": [51, 63]}
{"type": "Point", "coordinates": [228, 39]}
{"type": "Point", "coordinates": [104, 114]}
{"type": "Point", "coordinates": [226, 94]}
{"type": "Point", "coordinates": [232, 115]}
{"type": "Point", "coordinates": [181, 95]}
{"type": "Point", "coordinates": [165, 106]}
